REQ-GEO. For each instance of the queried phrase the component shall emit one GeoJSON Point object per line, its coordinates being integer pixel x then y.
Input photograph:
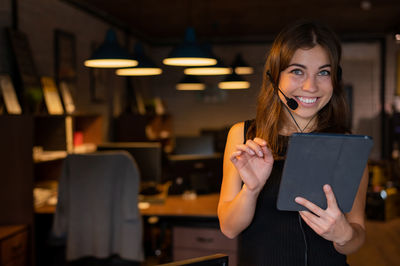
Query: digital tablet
{"type": "Point", "coordinates": [316, 159]}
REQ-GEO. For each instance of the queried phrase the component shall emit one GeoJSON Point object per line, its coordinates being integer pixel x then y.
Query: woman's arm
{"type": "Point", "coordinates": [249, 163]}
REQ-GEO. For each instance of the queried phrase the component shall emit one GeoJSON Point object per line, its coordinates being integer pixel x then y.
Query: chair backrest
{"type": "Point", "coordinates": [211, 260]}
{"type": "Point", "coordinates": [97, 206]}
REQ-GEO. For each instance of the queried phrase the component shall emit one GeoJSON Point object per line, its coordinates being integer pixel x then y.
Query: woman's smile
{"type": "Point", "coordinates": [307, 100]}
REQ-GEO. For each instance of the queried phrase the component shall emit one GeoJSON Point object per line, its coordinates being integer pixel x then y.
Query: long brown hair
{"type": "Point", "coordinates": [270, 119]}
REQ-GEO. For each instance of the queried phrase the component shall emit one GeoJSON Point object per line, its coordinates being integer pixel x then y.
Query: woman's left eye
{"type": "Point", "coordinates": [324, 73]}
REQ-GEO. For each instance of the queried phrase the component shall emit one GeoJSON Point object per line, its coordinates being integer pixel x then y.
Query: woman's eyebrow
{"type": "Point", "coordinates": [326, 65]}
{"type": "Point", "coordinates": [298, 65]}
{"type": "Point", "coordinates": [303, 66]}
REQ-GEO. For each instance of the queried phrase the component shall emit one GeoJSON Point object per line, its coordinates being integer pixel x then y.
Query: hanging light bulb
{"type": "Point", "coordinates": [190, 83]}
{"type": "Point", "coordinates": [240, 67]}
{"type": "Point", "coordinates": [234, 82]}
{"type": "Point", "coordinates": [146, 66]}
{"type": "Point", "coordinates": [189, 53]}
{"type": "Point", "coordinates": [110, 54]}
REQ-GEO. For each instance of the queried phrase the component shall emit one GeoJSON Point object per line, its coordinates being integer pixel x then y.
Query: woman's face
{"type": "Point", "coordinates": [307, 80]}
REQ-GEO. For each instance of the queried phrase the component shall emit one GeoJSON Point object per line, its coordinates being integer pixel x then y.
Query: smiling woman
{"type": "Point", "coordinates": [307, 79]}
{"type": "Point", "coordinates": [301, 92]}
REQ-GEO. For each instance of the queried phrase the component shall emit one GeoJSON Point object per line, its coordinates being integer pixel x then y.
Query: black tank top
{"type": "Point", "coordinates": [281, 238]}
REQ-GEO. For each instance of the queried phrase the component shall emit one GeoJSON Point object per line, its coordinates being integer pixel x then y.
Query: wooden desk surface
{"type": "Point", "coordinates": [9, 230]}
{"type": "Point", "coordinates": [174, 205]}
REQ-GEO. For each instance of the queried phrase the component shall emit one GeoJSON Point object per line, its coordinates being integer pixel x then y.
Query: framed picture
{"type": "Point", "coordinates": [10, 97]}
{"type": "Point", "coordinates": [51, 96]}
{"type": "Point", "coordinates": [65, 67]}
{"type": "Point", "coordinates": [98, 80]}
{"type": "Point", "coordinates": [26, 76]}
{"type": "Point", "coordinates": [65, 56]}
{"type": "Point", "coordinates": [398, 74]}
{"type": "Point", "coordinates": [67, 97]}
{"type": "Point", "coordinates": [98, 88]}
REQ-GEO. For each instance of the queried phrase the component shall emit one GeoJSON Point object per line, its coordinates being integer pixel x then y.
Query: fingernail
{"type": "Point", "coordinates": [260, 153]}
{"type": "Point", "coordinates": [251, 152]}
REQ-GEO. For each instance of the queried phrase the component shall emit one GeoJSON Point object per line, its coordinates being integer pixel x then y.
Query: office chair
{"type": "Point", "coordinates": [97, 209]}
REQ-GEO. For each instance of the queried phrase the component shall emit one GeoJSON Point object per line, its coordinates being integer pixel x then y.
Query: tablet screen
{"type": "Point", "coordinates": [316, 159]}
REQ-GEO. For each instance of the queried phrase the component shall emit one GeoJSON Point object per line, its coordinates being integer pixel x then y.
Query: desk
{"type": "Point", "coordinates": [192, 222]}
{"type": "Point", "coordinates": [174, 206]}
{"type": "Point", "coordinates": [13, 245]}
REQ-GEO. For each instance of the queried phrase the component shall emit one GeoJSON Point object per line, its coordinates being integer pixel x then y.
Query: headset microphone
{"type": "Point", "coordinates": [291, 103]}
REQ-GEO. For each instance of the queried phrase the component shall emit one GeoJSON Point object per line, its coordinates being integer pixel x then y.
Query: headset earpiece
{"type": "Point", "coordinates": [339, 74]}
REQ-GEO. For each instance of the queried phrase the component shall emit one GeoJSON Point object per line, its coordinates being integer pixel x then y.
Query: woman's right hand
{"type": "Point", "coordinates": [254, 162]}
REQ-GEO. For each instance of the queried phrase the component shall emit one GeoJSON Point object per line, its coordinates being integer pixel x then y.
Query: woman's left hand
{"type": "Point", "coordinates": [330, 223]}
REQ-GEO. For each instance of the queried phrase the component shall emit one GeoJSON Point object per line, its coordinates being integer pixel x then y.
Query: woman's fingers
{"type": "Point", "coordinates": [311, 220]}
{"type": "Point", "coordinates": [255, 146]}
{"type": "Point", "coordinates": [309, 205]}
{"type": "Point", "coordinates": [245, 148]}
{"type": "Point", "coordinates": [234, 156]}
{"type": "Point", "coordinates": [330, 197]}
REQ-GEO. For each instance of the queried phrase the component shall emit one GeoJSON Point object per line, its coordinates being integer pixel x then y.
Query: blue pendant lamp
{"type": "Point", "coordinates": [110, 54]}
{"type": "Point", "coordinates": [240, 66]}
{"type": "Point", "coordinates": [189, 53]}
{"type": "Point", "coordinates": [190, 83]}
{"type": "Point", "coordinates": [146, 66]}
{"type": "Point", "coordinates": [234, 82]}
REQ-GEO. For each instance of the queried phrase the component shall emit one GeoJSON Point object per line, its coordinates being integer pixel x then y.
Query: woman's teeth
{"type": "Point", "coordinates": [307, 100]}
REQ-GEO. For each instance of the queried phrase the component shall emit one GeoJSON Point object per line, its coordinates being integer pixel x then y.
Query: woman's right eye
{"type": "Point", "coordinates": [297, 71]}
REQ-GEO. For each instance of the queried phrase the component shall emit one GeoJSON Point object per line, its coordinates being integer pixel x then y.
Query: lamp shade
{"type": "Point", "coordinates": [145, 67]}
{"type": "Point", "coordinates": [190, 83]}
{"type": "Point", "coordinates": [189, 53]}
{"type": "Point", "coordinates": [234, 82]}
{"type": "Point", "coordinates": [110, 54]}
{"type": "Point", "coordinates": [240, 66]}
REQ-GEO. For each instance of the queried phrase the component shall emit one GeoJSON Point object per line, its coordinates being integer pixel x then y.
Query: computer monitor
{"type": "Point", "coordinates": [201, 145]}
{"type": "Point", "coordinates": [146, 154]}
{"type": "Point", "coordinates": [199, 173]}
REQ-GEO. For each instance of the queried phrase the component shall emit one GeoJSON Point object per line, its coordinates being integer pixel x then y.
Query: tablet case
{"type": "Point", "coordinates": [316, 159]}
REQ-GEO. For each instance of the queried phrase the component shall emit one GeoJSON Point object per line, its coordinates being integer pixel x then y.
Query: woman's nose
{"type": "Point", "coordinates": [310, 84]}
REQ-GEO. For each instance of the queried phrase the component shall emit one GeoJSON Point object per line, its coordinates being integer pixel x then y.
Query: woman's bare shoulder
{"type": "Point", "coordinates": [236, 133]}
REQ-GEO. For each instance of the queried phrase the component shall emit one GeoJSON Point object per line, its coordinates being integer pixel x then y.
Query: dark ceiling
{"type": "Point", "coordinates": [164, 21]}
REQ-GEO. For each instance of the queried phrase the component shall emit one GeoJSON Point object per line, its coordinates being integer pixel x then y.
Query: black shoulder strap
{"type": "Point", "coordinates": [247, 124]}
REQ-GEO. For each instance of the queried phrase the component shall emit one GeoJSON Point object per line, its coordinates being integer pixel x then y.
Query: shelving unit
{"type": "Point", "coordinates": [16, 164]}
{"type": "Point", "coordinates": [55, 132]}
{"type": "Point", "coordinates": [54, 138]}
{"type": "Point", "coordinates": [19, 134]}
